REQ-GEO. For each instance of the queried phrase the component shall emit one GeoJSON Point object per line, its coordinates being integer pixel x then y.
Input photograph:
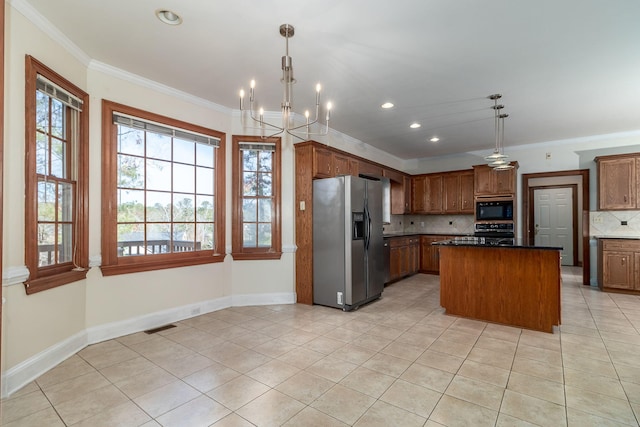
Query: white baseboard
{"type": "Point", "coordinates": [22, 374]}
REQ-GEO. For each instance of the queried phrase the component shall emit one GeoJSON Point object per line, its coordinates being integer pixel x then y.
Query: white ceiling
{"type": "Point", "coordinates": [566, 69]}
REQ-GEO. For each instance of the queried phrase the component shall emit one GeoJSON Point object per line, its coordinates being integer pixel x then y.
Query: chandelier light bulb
{"type": "Point", "coordinates": [253, 84]}
{"type": "Point", "coordinates": [318, 87]}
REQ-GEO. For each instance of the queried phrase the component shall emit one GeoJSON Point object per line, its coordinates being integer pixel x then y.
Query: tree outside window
{"type": "Point", "coordinates": [256, 194]}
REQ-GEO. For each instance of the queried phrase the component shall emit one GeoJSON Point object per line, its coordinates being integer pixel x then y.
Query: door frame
{"type": "Point", "coordinates": [527, 220]}
{"type": "Point", "coordinates": [574, 216]}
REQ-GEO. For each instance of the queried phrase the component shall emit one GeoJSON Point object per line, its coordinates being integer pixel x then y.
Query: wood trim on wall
{"type": "Point", "coordinates": [527, 223]}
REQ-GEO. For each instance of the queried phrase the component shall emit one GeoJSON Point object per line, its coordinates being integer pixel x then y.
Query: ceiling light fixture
{"type": "Point", "coordinates": [287, 31]}
{"type": "Point", "coordinates": [415, 125]}
{"type": "Point", "coordinates": [168, 17]}
{"type": "Point", "coordinates": [501, 164]}
{"type": "Point", "coordinates": [497, 159]}
{"type": "Point", "coordinates": [387, 105]}
{"type": "Point", "coordinates": [434, 139]}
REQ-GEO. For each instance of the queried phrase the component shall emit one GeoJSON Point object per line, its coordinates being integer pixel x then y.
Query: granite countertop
{"type": "Point", "coordinates": [418, 233]}
{"type": "Point", "coordinates": [495, 243]}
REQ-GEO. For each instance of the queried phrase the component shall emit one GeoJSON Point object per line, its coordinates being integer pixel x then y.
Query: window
{"type": "Point", "coordinates": [256, 198]}
{"type": "Point", "coordinates": [56, 181]}
{"type": "Point", "coordinates": [163, 192]}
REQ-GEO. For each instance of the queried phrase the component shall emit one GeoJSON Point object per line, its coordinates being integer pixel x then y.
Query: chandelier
{"type": "Point", "coordinates": [288, 126]}
{"type": "Point", "coordinates": [498, 160]}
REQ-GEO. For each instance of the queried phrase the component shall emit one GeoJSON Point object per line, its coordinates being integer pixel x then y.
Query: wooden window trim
{"type": "Point", "coordinates": [238, 252]}
{"type": "Point", "coordinates": [43, 278]}
{"type": "Point", "coordinates": [111, 263]}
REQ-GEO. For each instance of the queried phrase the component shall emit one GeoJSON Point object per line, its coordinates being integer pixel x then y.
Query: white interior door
{"type": "Point", "coordinates": [553, 219]}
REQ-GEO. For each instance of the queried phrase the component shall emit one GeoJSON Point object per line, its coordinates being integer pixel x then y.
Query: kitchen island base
{"type": "Point", "coordinates": [512, 286]}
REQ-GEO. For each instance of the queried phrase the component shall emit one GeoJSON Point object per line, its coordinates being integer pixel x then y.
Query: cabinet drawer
{"type": "Point", "coordinates": [620, 245]}
{"type": "Point", "coordinates": [395, 242]}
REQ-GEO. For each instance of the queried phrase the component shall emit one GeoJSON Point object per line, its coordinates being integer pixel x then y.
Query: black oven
{"type": "Point", "coordinates": [494, 210]}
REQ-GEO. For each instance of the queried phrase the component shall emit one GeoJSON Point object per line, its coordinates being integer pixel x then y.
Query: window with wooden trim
{"type": "Point", "coordinates": [256, 198]}
{"type": "Point", "coordinates": [163, 192]}
{"type": "Point", "coordinates": [57, 177]}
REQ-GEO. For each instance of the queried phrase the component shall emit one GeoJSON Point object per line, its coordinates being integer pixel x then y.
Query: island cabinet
{"type": "Point", "coordinates": [404, 255]}
{"type": "Point", "coordinates": [619, 265]}
{"type": "Point", "coordinates": [489, 182]}
{"type": "Point", "coordinates": [618, 179]}
{"type": "Point", "coordinates": [515, 286]}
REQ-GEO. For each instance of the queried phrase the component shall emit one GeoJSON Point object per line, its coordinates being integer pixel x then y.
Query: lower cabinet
{"type": "Point", "coordinates": [404, 253]}
{"type": "Point", "coordinates": [430, 254]}
{"type": "Point", "coordinates": [619, 265]}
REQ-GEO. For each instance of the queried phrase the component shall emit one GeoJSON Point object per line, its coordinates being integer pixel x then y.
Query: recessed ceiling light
{"type": "Point", "coordinates": [434, 139]}
{"type": "Point", "coordinates": [387, 105]}
{"type": "Point", "coordinates": [415, 125]}
{"type": "Point", "coordinates": [169, 17]}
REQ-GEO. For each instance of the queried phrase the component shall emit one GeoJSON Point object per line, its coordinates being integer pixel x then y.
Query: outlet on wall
{"type": "Point", "coordinates": [597, 219]}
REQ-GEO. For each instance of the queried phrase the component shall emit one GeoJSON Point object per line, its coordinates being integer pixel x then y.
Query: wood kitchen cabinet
{"type": "Point", "coordinates": [322, 163]}
{"type": "Point", "coordinates": [458, 192]}
{"type": "Point", "coordinates": [404, 256]}
{"type": "Point", "coordinates": [489, 182]}
{"type": "Point", "coordinates": [448, 193]}
{"type": "Point", "coordinates": [619, 265]}
{"type": "Point", "coordinates": [618, 178]}
{"type": "Point", "coordinates": [430, 254]}
{"type": "Point", "coordinates": [466, 192]}
{"type": "Point", "coordinates": [400, 192]}
{"type": "Point", "coordinates": [433, 193]}
{"type": "Point", "coordinates": [418, 194]}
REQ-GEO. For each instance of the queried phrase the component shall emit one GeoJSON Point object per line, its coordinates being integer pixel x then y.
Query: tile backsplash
{"type": "Point", "coordinates": [611, 223]}
{"type": "Point", "coordinates": [430, 224]}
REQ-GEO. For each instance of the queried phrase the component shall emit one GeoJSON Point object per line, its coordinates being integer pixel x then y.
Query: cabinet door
{"type": "Point", "coordinates": [433, 185]}
{"type": "Point", "coordinates": [394, 263]}
{"type": "Point", "coordinates": [483, 180]}
{"type": "Point", "coordinates": [418, 194]}
{"type": "Point", "coordinates": [452, 193]}
{"type": "Point", "coordinates": [340, 164]}
{"type": "Point", "coordinates": [466, 192]}
{"type": "Point", "coordinates": [415, 255]}
{"type": "Point", "coordinates": [406, 184]}
{"type": "Point", "coordinates": [617, 183]}
{"type": "Point", "coordinates": [354, 167]}
{"type": "Point", "coordinates": [322, 162]}
{"type": "Point", "coordinates": [618, 269]}
{"type": "Point", "coordinates": [636, 270]}
{"type": "Point", "coordinates": [505, 181]}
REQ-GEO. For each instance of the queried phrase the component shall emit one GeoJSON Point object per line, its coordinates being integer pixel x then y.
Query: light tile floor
{"type": "Point", "coordinates": [399, 361]}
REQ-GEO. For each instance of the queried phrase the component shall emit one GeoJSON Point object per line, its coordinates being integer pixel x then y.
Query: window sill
{"type": "Point", "coordinates": [243, 256]}
{"type": "Point", "coordinates": [136, 264]}
{"type": "Point", "coordinates": [49, 282]}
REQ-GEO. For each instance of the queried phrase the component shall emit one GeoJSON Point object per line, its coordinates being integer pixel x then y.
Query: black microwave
{"type": "Point", "coordinates": [494, 210]}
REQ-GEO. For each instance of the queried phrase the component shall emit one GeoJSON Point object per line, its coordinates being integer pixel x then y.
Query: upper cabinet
{"type": "Point", "coordinates": [400, 191]}
{"type": "Point", "coordinates": [489, 182]}
{"type": "Point", "coordinates": [458, 192]}
{"type": "Point", "coordinates": [618, 178]}
{"type": "Point", "coordinates": [443, 193]}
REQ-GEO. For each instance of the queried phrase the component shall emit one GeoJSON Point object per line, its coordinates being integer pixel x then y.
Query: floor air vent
{"type": "Point", "coordinates": [160, 329]}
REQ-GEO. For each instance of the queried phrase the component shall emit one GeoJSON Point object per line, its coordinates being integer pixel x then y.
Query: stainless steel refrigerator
{"type": "Point", "coordinates": [348, 263]}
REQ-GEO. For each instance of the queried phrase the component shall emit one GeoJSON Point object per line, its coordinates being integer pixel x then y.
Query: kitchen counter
{"type": "Point", "coordinates": [414, 233]}
{"type": "Point", "coordinates": [495, 242]}
{"type": "Point", "coordinates": [512, 284]}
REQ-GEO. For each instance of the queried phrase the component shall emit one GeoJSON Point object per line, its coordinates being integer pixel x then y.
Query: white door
{"type": "Point", "coordinates": [553, 220]}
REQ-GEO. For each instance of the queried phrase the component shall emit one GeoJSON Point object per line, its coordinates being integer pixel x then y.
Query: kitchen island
{"type": "Point", "coordinates": [503, 281]}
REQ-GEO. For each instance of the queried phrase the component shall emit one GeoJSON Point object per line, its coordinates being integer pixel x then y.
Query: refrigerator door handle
{"type": "Point", "coordinates": [368, 227]}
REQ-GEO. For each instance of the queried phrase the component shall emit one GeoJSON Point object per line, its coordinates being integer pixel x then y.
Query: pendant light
{"type": "Point", "coordinates": [502, 164]}
{"type": "Point", "coordinates": [496, 155]}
